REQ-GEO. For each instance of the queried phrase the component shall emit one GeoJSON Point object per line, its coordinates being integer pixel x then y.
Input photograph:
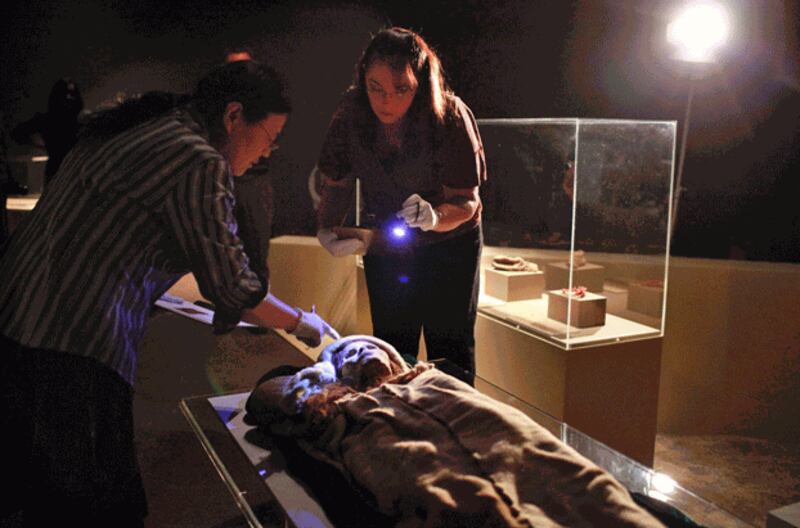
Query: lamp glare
{"type": "Point", "coordinates": [663, 483]}
{"type": "Point", "coordinates": [698, 31]}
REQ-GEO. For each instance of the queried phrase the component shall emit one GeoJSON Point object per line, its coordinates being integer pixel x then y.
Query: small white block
{"type": "Point", "coordinates": [786, 517]}
{"type": "Point", "coordinates": [589, 310]}
{"type": "Point", "coordinates": [514, 285]}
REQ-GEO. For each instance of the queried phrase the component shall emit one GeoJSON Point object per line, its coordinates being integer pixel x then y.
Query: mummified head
{"type": "Point", "coordinates": [363, 361]}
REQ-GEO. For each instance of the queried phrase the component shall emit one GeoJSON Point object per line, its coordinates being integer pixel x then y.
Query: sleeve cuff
{"type": "Point", "coordinates": [227, 318]}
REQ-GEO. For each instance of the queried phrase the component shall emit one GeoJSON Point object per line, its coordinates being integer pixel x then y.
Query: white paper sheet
{"type": "Point", "coordinates": [181, 306]}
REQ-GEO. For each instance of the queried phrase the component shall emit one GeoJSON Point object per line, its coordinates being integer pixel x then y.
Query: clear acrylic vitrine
{"type": "Point", "coordinates": [576, 216]}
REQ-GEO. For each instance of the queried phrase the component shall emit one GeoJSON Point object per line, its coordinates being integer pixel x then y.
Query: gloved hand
{"type": "Point", "coordinates": [311, 328]}
{"type": "Point", "coordinates": [340, 247]}
{"type": "Point", "coordinates": [417, 212]}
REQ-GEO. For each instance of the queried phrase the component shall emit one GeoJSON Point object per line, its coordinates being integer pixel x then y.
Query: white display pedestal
{"type": "Point", "coordinates": [786, 517]}
{"type": "Point", "coordinates": [514, 285]}
{"type": "Point", "coordinates": [584, 312]}
{"type": "Point", "coordinates": [304, 274]}
{"type": "Point", "coordinates": [608, 391]}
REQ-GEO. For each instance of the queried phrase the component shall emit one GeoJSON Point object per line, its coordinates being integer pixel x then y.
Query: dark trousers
{"type": "Point", "coordinates": [436, 288]}
{"type": "Point", "coordinates": [67, 438]}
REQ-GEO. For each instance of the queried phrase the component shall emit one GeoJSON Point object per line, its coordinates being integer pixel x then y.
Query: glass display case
{"type": "Point", "coordinates": [576, 216]}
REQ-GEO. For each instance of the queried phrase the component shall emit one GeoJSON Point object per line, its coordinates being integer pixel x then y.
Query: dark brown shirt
{"type": "Point", "coordinates": [432, 156]}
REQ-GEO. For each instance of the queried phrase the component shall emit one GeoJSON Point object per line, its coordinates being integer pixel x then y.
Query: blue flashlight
{"type": "Point", "coordinates": [397, 234]}
{"type": "Point", "coordinates": [399, 231]}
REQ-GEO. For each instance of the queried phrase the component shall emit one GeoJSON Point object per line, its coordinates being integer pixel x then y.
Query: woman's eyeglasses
{"type": "Point", "coordinates": [401, 93]}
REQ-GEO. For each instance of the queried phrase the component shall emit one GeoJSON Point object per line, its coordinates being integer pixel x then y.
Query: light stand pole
{"type": "Point", "coordinates": [696, 32]}
{"type": "Point", "coordinates": [682, 153]}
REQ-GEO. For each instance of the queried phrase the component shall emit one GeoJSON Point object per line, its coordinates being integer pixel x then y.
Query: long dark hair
{"type": "Point", "coordinates": [257, 87]}
{"type": "Point", "coordinates": [397, 47]}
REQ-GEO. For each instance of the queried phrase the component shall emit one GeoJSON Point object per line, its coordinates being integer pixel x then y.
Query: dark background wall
{"type": "Point", "coordinates": [516, 58]}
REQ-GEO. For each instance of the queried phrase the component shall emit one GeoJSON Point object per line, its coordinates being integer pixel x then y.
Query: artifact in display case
{"type": "Point", "coordinates": [578, 305]}
{"type": "Point", "coordinates": [589, 201]}
{"type": "Point", "coordinates": [585, 273]}
{"type": "Point", "coordinates": [513, 279]}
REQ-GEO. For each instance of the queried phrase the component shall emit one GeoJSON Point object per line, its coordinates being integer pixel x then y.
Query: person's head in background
{"type": "Point", "coordinates": [65, 100]}
{"type": "Point", "coordinates": [243, 105]}
{"type": "Point", "coordinates": [238, 53]}
{"type": "Point", "coordinates": [399, 73]}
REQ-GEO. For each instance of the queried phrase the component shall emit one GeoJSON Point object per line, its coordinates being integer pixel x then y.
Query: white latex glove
{"type": "Point", "coordinates": [311, 328]}
{"type": "Point", "coordinates": [340, 247]}
{"type": "Point", "coordinates": [417, 212]}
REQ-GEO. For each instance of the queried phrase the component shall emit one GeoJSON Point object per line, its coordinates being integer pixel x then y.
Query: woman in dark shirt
{"type": "Point", "coordinates": [415, 148]}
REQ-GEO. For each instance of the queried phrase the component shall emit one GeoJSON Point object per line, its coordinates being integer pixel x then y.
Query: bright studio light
{"type": "Point", "coordinates": [698, 31]}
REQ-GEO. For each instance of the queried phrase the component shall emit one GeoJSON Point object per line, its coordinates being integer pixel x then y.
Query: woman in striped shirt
{"type": "Point", "coordinates": [143, 198]}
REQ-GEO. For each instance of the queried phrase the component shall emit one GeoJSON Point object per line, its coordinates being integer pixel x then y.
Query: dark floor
{"type": "Point", "coordinates": [746, 476]}
{"type": "Point", "coordinates": [182, 358]}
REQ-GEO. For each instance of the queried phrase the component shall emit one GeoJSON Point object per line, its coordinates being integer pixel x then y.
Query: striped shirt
{"type": "Point", "coordinates": [121, 222]}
